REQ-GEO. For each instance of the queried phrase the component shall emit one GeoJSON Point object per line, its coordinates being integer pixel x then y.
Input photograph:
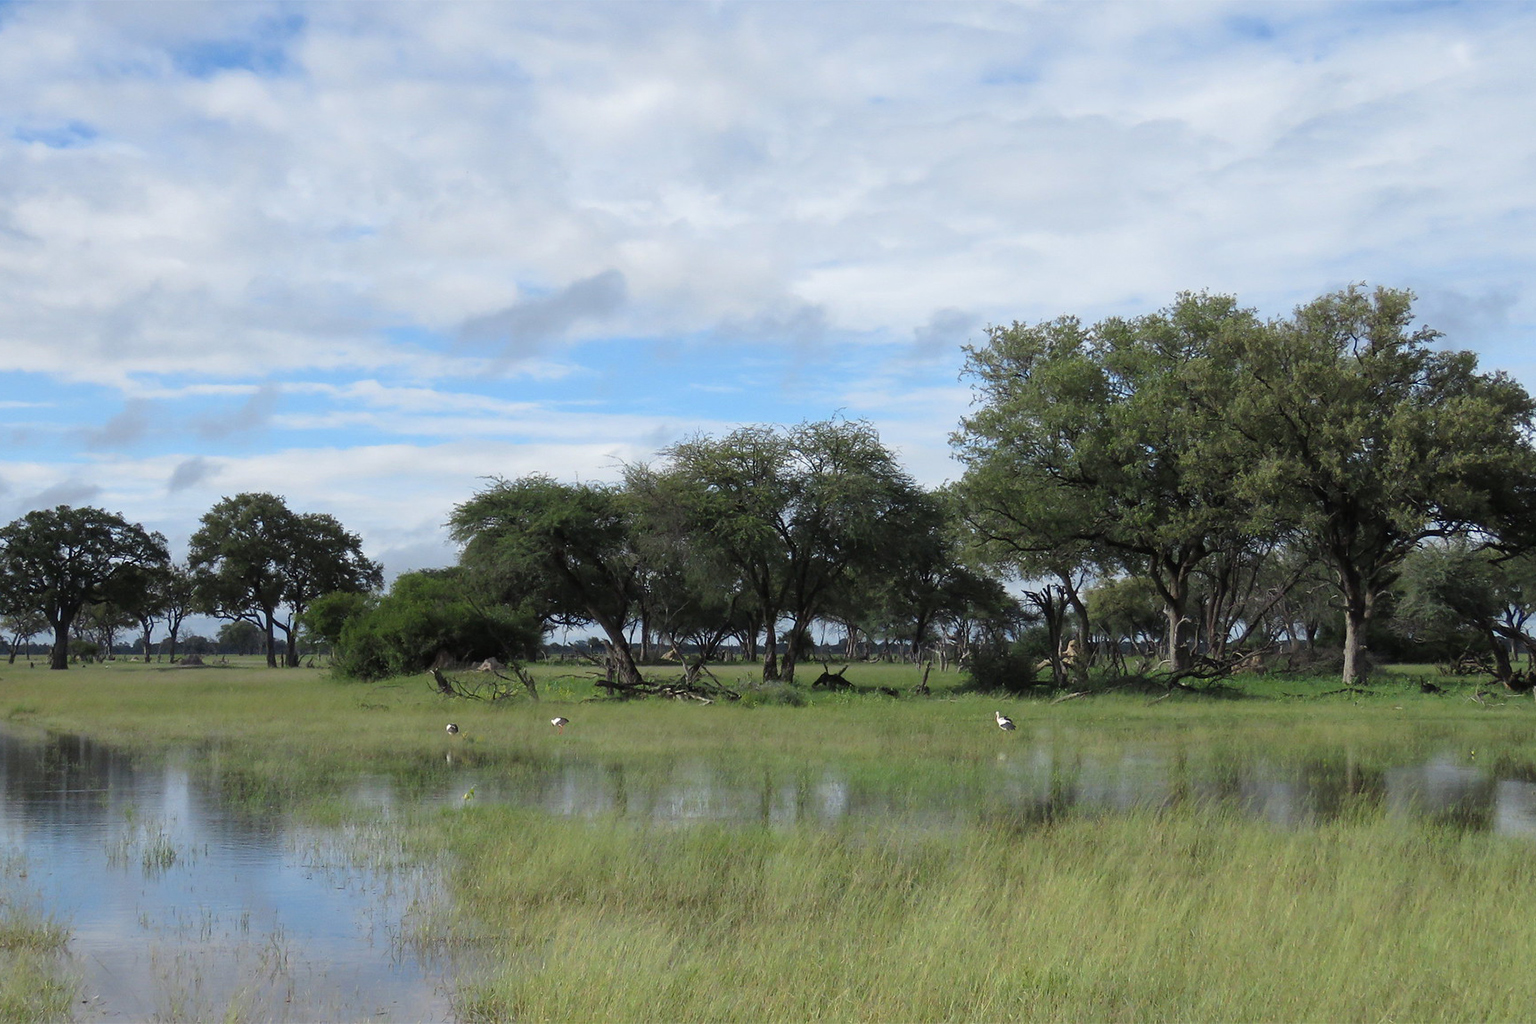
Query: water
{"type": "Point", "coordinates": [181, 906]}
{"type": "Point", "coordinates": [181, 909]}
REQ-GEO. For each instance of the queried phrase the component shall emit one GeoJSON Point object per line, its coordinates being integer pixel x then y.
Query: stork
{"type": "Point", "coordinates": [453, 729]}
{"type": "Point", "coordinates": [1004, 722]}
{"type": "Point", "coordinates": [559, 723]}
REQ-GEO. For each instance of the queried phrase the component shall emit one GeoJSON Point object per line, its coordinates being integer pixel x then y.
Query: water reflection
{"type": "Point", "coordinates": [180, 909]}
{"type": "Point", "coordinates": [1041, 783]}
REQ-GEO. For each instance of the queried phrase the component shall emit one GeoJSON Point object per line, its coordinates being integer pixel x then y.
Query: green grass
{"type": "Point", "coordinates": [1176, 916]}
{"type": "Point", "coordinates": [1181, 913]}
{"type": "Point", "coordinates": [36, 983]}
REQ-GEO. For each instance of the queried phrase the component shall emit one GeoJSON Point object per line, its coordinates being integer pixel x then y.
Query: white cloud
{"type": "Point", "coordinates": [224, 204]}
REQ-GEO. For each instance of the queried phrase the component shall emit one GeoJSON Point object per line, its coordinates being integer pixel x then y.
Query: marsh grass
{"type": "Point", "coordinates": [1172, 912]}
{"type": "Point", "coordinates": [1153, 916]}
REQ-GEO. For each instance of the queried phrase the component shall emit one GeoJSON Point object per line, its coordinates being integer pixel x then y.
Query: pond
{"type": "Point", "coordinates": [183, 906]}
{"type": "Point", "coordinates": [180, 908]}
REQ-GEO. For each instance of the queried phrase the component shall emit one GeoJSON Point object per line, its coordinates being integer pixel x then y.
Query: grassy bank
{"type": "Point", "coordinates": [1177, 911]}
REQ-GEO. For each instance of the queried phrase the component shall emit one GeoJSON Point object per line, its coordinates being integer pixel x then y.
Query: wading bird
{"type": "Point", "coordinates": [453, 729]}
{"type": "Point", "coordinates": [559, 723]}
{"type": "Point", "coordinates": [1004, 722]}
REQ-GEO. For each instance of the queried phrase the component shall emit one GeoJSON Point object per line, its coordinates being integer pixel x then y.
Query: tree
{"type": "Point", "coordinates": [1370, 440]}
{"type": "Point", "coordinates": [178, 600]}
{"type": "Point", "coordinates": [1091, 446]}
{"type": "Point", "coordinates": [56, 561]}
{"type": "Point", "coordinates": [20, 629]}
{"type": "Point", "coordinates": [253, 557]}
{"type": "Point", "coordinates": [322, 558]}
{"type": "Point", "coordinates": [1458, 591]}
{"type": "Point", "coordinates": [795, 512]}
{"type": "Point", "coordinates": [241, 637]}
{"type": "Point", "coordinates": [569, 548]}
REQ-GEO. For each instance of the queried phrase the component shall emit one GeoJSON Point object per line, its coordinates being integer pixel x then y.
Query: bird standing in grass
{"type": "Point", "coordinates": [453, 729]}
{"type": "Point", "coordinates": [559, 723]}
{"type": "Point", "coordinates": [1004, 722]}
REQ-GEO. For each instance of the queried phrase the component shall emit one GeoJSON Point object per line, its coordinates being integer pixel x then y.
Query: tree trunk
{"type": "Point", "coordinates": [60, 645]}
{"type": "Point", "coordinates": [770, 652]}
{"type": "Point", "coordinates": [1178, 651]}
{"type": "Point", "coordinates": [271, 643]}
{"type": "Point", "coordinates": [1357, 613]}
{"type": "Point", "coordinates": [1503, 670]}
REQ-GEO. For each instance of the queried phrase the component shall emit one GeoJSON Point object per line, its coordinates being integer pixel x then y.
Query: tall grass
{"type": "Point", "coordinates": [1179, 915]}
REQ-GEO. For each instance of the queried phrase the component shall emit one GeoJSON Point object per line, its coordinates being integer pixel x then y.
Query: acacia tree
{"type": "Point", "coordinates": [794, 512]}
{"type": "Point", "coordinates": [568, 547]}
{"type": "Point", "coordinates": [253, 557]}
{"type": "Point", "coordinates": [56, 561]}
{"type": "Point", "coordinates": [1090, 446]}
{"type": "Point", "coordinates": [1371, 440]}
{"type": "Point", "coordinates": [1455, 587]}
{"type": "Point", "coordinates": [20, 629]}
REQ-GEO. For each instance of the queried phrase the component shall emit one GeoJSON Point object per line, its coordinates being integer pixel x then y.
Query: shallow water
{"type": "Point", "coordinates": [1036, 779]}
{"type": "Point", "coordinates": [180, 909]}
{"type": "Point", "coordinates": [184, 906]}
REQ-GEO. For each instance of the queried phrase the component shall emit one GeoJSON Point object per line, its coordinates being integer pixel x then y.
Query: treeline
{"type": "Point", "coordinates": [253, 560]}
{"type": "Point", "coordinates": [1183, 493]}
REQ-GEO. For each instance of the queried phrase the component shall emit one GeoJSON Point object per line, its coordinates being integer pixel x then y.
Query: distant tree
{"type": "Point", "coordinates": [199, 645]}
{"type": "Point", "coordinates": [254, 558]}
{"type": "Point", "coordinates": [1091, 445]}
{"type": "Point", "coordinates": [424, 617]}
{"type": "Point", "coordinates": [102, 623]}
{"type": "Point", "coordinates": [178, 599]}
{"type": "Point", "coordinates": [1455, 591]}
{"type": "Point", "coordinates": [20, 629]}
{"type": "Point", "coordinates": [241, 637]}
{"type": "Point", "coordinates": [56, 561]}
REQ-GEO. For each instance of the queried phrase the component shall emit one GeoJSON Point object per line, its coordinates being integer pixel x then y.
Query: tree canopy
{"type": "Point", "coordinates": [56, 561]}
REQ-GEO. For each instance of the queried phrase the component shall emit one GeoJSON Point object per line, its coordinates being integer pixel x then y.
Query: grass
{"type": "Point", "coordinates": [1182, 912]}
{"type": "Point", "coordinates": [35, 981]}
{"type": "Point", "coordinates": [1148, 917]}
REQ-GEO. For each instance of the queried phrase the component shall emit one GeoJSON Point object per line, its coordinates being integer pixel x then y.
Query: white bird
{"type": "Point", "coordinates": [560, 723]}
{"type": "Point", "coordinates": [453, 729]}
{"type": "Point", "coordinates": [1004, 722]}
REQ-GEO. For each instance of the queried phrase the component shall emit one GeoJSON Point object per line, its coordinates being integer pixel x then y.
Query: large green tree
{"type": "Point", "coordinates": [256, 560]}
{"type": "Point", "coordinates": [795, 513]}
{"type": "Point", "coordinates": [1090, 446]}
{"type": "Point", "coordinates": [56, 561]}
{"type": "Point", "coordinates": [567, 549]}
{"type": "Point", "coordinates": [1369, 439]}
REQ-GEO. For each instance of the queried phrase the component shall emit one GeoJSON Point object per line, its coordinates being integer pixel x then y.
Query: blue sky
{"type": "Point", "coordinates": [366, 255]}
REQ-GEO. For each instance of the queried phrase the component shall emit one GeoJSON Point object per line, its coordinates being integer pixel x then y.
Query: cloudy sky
{"type": "Point", "coordinates": [365, 255]}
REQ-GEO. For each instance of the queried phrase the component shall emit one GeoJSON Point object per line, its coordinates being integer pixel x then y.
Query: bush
{"type": "Point", "coordinates": [1008, 668]}
{"type": "Point", "coordinates": [427, 616]}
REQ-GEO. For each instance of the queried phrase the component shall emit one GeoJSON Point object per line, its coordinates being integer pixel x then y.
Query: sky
{"type": "Point", "coordinates": [368, 255]}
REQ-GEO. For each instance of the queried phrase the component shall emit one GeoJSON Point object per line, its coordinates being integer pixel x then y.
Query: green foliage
{"type": "Point", "coordinates": [253, 556]}
{"type": "Point", "coordinates": [56, 561]}
{"type": "Point", "coordinates": [566, 552]}
{"type": "Point", "coordinates": [1010, 667]}
{"type": "Point", "coordinates": [1091, 446]}
{"type": "Point", "coordinates": [797, 514]}
{"type": "Point", "coordinates": [427, 615]}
